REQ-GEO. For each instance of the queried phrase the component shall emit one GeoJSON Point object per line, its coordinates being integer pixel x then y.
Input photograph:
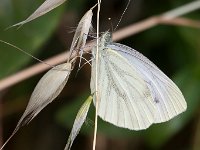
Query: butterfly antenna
{"type": "Point", "coordinates": [26, 53]}
{"type": "Point", "coordinates": [122, 14]}
{"type": "Point", "coordinates": [111, 24]}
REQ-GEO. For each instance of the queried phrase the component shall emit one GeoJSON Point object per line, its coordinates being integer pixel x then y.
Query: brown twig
{"type": "Point", "coordinates": [169, 17]}
{"type": "Point", "coordinates": [182, 22]}
{"type": "Point", "coordinates": [31, 71]}
{"type": "Point", "coordinates": [151, 22]}
{"type": "Point", "coordinates": [118, 35]}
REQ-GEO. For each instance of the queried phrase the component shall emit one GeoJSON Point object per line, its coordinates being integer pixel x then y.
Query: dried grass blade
{"type": "Point", "coordinates": [47, 89]}
{"type": "Point", "coordinates": [80, 119]}
{"type": "Point", "coordinates": [47, 6]}
{"type": "Point", "coordinates": [81, 33]}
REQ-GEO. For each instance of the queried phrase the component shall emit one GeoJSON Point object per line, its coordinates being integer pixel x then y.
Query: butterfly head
{"type": "Point", "coordinates": [105, 39]}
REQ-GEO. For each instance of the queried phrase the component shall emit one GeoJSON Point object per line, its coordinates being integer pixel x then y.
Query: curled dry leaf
{"type": "Point", "coordinates": [47, 89]}
{"type": "Point", "coordinates": [80, 119]}
{"type": "Point", "coordinates": [81, 33]}
{"type": "Point", "coordinates": [47, 6]}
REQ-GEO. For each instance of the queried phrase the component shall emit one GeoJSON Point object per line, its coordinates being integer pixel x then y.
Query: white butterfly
{"type": "Point", "coordinates": [133, 92]}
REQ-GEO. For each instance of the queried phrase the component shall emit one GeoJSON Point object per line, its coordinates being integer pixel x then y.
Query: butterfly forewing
{"type": "Point", "coordinates": [167, 97]}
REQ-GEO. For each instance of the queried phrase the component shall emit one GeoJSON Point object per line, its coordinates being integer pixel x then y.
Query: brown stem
{"type": "Point", "coordinates": [118, 35]}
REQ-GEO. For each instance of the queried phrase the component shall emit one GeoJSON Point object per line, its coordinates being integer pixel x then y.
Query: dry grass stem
{"type": "Point", "coordinates": [96, 77]}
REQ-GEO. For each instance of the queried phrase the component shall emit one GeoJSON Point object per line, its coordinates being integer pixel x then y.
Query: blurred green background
{"type": "Point", "coordinates": [174, 49]}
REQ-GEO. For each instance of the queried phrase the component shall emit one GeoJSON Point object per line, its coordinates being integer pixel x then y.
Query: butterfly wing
{"type": "Point", "coordinates": [124, 98]}
{"type": "Point", "coordinates": [167, 97]}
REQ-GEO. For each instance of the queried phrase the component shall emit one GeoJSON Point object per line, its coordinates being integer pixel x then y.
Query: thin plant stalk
{"type": "Point", "coordinates": [96, 77]}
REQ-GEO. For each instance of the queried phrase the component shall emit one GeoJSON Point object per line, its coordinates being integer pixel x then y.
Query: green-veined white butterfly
{"type": "Point", "coordinates": [133, 92]}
